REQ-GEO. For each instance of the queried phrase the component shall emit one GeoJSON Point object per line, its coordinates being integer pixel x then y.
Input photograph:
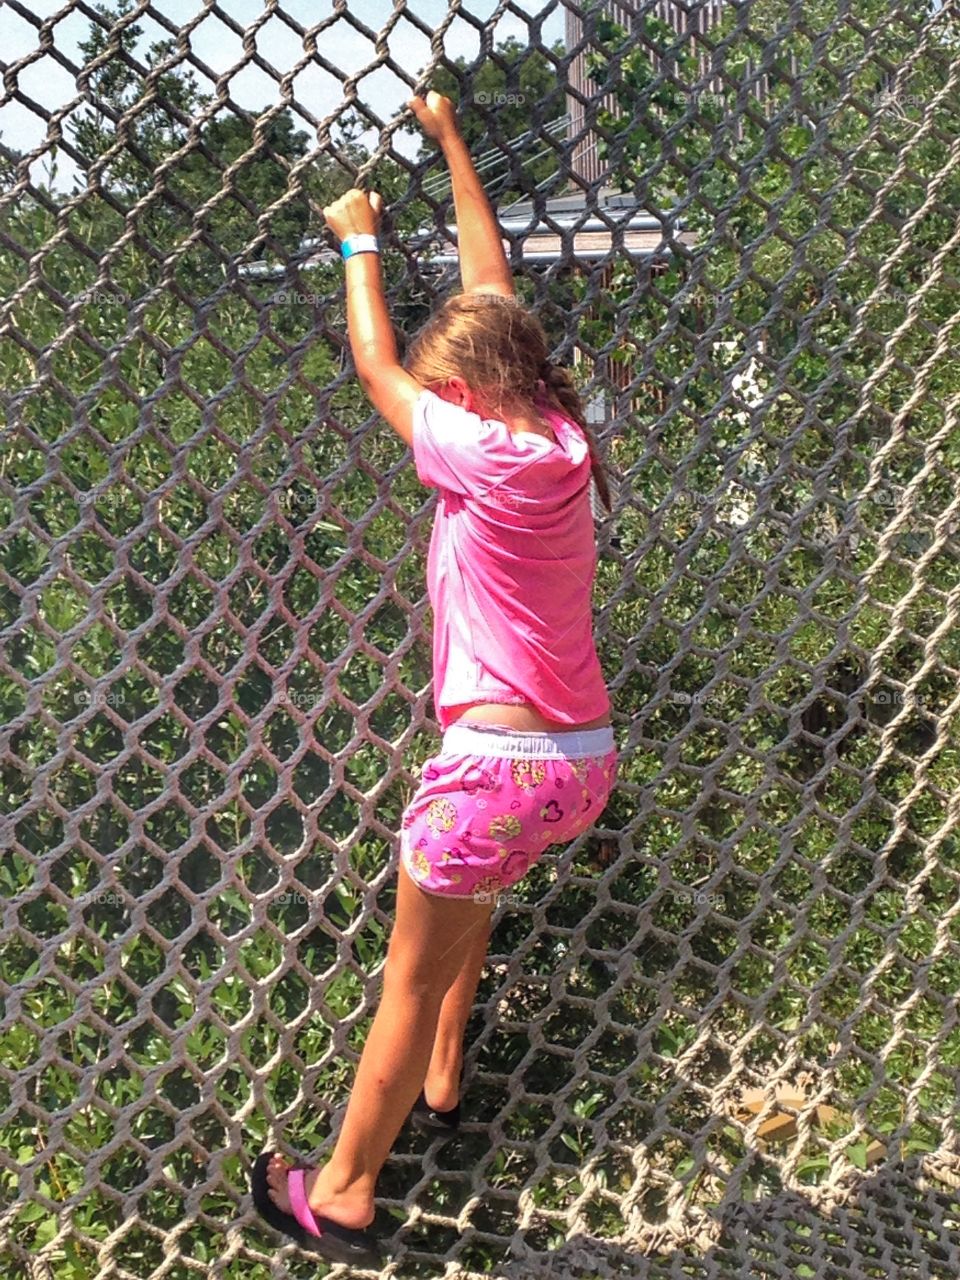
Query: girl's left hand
{"type": "Point", "coordinates": [355, 213]}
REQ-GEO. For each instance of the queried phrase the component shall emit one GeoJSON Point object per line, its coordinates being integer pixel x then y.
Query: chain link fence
{"type": "Point", "coordinates": [719, 1035]}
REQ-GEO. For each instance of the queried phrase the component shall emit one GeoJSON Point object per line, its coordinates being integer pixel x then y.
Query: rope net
{"type": "Point", "coordinates": [717, 1036]}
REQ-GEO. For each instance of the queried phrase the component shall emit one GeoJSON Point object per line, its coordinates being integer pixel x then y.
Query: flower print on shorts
{"type": "Point", "coordinates": [504, 827]}
{"type": "Point", "coordinates": [579, 769]}
{"type": "Point", "coordinates": [440, 816]}
{"type": "Point", "coordinates": [471, 810]}
{"type": "Point", "coordinates": [479, 779]}
{"type": "Point", "coordinates": [419, 865]}
{"type": "Point", "coordinates": [528, 773]}
{"type": "Point", "coordinates": [486, 888]}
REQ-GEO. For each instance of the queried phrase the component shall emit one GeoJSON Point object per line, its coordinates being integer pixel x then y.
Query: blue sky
{"type": "Point", "coordinates": [52, 86]}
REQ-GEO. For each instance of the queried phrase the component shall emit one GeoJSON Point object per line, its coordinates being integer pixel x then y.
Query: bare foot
{"type": "Point", "coordinates": [348, 1210]}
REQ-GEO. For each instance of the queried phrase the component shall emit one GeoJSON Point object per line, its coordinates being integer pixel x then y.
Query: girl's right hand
{"type": "Point", "coordinates": [436, 115]}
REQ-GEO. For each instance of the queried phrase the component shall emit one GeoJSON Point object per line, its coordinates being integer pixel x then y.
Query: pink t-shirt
{"type": "Point", "coordinates": [511, 563]}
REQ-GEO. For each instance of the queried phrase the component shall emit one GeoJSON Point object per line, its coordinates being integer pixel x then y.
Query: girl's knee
{"type": "Point", "coordinates": [419, 977]}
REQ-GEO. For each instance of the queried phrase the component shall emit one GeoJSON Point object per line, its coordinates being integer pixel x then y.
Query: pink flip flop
{"type": "Point", "coordinates": [311, 1231]}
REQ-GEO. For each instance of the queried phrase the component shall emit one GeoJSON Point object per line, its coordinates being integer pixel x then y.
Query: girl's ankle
{"type": "Point", "coordinates": [336, 1184]}
{"type": "Point", "coordinates": [442, 1089]}
{"type": "Point", "coordinates": [439, 1099]}
{"type": "Point", "coordinates": [445, 1064]}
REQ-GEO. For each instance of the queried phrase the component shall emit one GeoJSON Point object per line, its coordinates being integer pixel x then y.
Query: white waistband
{"type": "Point", "coordinates": [484, 740]}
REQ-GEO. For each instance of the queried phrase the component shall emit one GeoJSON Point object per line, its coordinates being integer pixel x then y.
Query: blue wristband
{"type": "Point", "coordinates": [359, 244]}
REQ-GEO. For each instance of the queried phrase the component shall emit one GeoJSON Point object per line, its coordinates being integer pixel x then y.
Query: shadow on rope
{"type": "Point", "coordinates": [898, 1221]}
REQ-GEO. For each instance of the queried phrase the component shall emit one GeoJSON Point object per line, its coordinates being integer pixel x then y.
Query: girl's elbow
{"type": "Point", "coordinates": [371, 359]}
{"type": "Point", "coordinates": [365, 368]}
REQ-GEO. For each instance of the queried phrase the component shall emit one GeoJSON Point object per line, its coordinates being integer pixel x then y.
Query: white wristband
{"type": "Point", "coordinates": [359, 244]}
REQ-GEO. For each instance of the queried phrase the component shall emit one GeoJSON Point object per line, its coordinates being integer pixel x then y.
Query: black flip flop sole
{"type": "Point", "coordinates": [428, 1120]}
{"type": "Point", "coordinates": [338, 1244]}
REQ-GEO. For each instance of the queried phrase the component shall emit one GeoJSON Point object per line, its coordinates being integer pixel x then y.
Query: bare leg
{"type": "Point", "coordinates": [425, 954]}
{"type": "Point", "coordinates": [441, 1087]}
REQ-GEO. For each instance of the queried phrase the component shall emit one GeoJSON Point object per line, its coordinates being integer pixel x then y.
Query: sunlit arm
{"type": "Point", "coordinates": [483, 264]}
{"type": "Point", "coordinates": [386, 383]}
{"type": "Point", "coordinates": [369, 328]}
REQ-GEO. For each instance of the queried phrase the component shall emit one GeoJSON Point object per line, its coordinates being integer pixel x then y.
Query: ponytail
{"type": "Point", "coordinates": [559, 386]}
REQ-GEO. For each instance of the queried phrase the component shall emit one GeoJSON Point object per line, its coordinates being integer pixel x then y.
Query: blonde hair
{"type": "Point", "coordinates": [500, 349]}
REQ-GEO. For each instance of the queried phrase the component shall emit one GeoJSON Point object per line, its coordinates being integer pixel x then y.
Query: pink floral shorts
{"type": "Point", "coordinates": [495, 798]}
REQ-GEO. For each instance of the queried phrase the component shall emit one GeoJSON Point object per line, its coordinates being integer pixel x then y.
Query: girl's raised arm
{"type": "Point", "coordinates": [483, 263]}
{"type": "Point", "coordinates": [391, 390]}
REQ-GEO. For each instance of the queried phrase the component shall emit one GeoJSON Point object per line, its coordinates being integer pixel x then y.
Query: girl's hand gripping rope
{"type": "Point", "coordinates": [437, 117]}
{"type": "Point", "coordinates": [355, 213]}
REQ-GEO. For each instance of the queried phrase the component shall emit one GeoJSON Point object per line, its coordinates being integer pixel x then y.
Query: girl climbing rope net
{"type": "Point", "coordinates": [527, 758]}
